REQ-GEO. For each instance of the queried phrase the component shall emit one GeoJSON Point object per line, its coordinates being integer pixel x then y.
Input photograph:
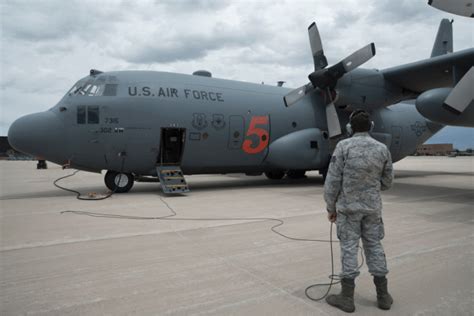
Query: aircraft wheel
{"type": "Point", "coordinates": [324, 173]}
{"type": "Point", "coordinates": [296, 174]}
{"type": "Point", "coordinates": [275, 175]}
{"type": "Point", "coordinates": [118, 182]}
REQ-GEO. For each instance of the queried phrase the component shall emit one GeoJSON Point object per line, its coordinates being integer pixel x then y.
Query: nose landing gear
{"type": "Point", "coordinates": [275, 174]}
{"type": "Point", "coordinates": [118, 182]}
{"type": "Point", "coordinates": [296, 174]}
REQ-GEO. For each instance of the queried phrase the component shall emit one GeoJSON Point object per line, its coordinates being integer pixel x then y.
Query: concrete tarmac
{"type": "Point", "coordinates": [68, 264]}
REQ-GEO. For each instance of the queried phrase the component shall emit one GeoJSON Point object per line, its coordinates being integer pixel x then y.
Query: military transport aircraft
{"type": "Point", "coordinates": [148, 123]}
{"type": "Point", "coordinates": [459, 7]}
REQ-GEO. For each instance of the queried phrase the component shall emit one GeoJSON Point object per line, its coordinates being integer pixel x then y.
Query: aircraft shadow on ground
{"type": "Point", "coordinates": [408, 193]}
{"type": "Point", "coordinates": [232, 182]}
{"type": "Point", "coordinates": [452, 204]}
{"type": "Point", "coordinates": [401, 174]}
{"type": "Point", "coordinates": [54, 192]}
{"type": "Point", "coordinates": [250, 182]}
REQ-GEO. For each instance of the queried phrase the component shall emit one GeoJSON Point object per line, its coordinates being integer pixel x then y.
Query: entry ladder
{"type": "Point", "coordinates": [171, 179]}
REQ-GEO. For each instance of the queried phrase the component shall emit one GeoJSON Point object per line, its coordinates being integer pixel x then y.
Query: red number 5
{"type": "Point", "coordinates": [260, 132]}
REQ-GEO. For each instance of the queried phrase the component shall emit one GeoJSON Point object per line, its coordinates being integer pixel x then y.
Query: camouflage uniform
{"type": "Point", "coordinates": [360, 167]}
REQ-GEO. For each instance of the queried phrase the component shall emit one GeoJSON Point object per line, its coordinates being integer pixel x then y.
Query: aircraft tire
{"type": "Point", "coordinates": [296, 174]}
{"type": "Point", "coordinates": [118, 182]}
{"type": "Point", "coordinates": [275, 175]}
{"type": "Point", "coordinates": [324, 173]}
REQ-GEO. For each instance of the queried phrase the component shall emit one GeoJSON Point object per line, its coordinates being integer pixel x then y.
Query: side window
{"type": "Point", "coordinates": [110, 90]}
{"type": "Point", "coordinates": [81, 114]}
{"type": "Point", "coordinates": [93, 115]}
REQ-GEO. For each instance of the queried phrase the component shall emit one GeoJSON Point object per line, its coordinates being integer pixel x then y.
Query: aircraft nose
{"type": "Point", "coordinates": [40, 135]}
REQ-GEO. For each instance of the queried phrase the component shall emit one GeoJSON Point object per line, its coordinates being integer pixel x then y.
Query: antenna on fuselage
{"type": "Point", "coordinates": [94, 72]}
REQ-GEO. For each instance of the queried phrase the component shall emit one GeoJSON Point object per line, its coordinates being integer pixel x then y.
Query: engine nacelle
{"type": "Point", "coordinates": [431, 105]}
{"type": "Point", "coordinates": [367, 89]}
{"type": "Point", "coordinates": [306, 149]}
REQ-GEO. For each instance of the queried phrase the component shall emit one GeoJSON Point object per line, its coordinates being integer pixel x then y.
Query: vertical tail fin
{"type": "Point", "coordinates": [444, 39]}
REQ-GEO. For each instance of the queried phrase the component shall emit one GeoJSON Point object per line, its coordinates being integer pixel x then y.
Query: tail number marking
{"type": "Point", "coordinates": [251, 147]}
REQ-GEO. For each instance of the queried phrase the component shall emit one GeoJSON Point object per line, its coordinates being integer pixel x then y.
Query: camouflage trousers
{"type": "Point", "coordinates": [350, 228]}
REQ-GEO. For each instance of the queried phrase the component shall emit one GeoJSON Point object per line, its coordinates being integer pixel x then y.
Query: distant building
{"type": "Point", "coordinates": [434, 150]}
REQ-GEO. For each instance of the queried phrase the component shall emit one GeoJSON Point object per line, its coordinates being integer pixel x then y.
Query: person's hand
{"type": "Point", "coordinates": [332, 217]}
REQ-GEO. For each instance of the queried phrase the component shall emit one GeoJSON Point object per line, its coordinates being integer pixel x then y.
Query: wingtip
{"type": "Point", "coordinates": [312, 25]}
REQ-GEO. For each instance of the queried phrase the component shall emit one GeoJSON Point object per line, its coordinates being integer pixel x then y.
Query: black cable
{"type": "Point", "coordinates": [173, 214]}
{"type": "Point", "coordinates": [332, 276]}
{"type": "Point", "coordinates": [79, 194]}
{"type": "Point", "coordinates": [171, 217]}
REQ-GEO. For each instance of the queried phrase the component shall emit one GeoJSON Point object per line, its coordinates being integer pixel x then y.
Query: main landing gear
{"type": "Point", "coordinates": [275, 175]}
{"type": "Point", "coordinates": [292, 174]}
{"type": "Point", "coordinates": [118, 182]}
{"type": "Point", "coordinates": [279, 174]}
{"type": "Point", "coordinates": [295, 174]}
{"type": "Point", "coordinates": [324, 173]}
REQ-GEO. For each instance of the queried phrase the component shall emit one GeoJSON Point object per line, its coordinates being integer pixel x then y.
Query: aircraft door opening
{"type": "Point", "coordinates": [171, 146]}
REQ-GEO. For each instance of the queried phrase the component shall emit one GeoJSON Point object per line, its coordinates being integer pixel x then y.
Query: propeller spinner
{"type": "Point", "coordinates": [326, 79]}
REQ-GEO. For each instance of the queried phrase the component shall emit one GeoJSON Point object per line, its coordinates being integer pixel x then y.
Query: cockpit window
{"type": "Point", "coordinates": [93, 88]}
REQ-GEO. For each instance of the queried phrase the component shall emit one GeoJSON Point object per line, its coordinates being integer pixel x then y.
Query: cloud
{"type": "Point", "coordinates": [193, 5]}
{"type": "Point", "coordinates": [183, 43]}
{"type": "Point", "coordinates": [401, 11]}
{"type": "Point", "coordinates": [48, 45]}
{"type": "Point", "coordinates": [58, 20]}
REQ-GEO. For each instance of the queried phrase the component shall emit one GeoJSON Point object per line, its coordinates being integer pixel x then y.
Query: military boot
{"type": "Point", "coordinates": [345, 299]}
{"type": "Point", "coordinates": [384, 299]}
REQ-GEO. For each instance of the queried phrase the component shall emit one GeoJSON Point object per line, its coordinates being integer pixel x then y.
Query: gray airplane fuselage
{"type": "Point", "coordinates": [228, 126]}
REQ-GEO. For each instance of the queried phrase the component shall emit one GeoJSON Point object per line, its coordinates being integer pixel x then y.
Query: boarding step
{"type": "Point", "coordinates": [172, 179]}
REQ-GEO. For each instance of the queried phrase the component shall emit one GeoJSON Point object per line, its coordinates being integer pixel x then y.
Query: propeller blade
{"type": "Point", "coordinates": [359, 57]}
{"type": "Point", "coordinates": [328, 77]}
{"type": "Point", "coordinates": [319, 59]}
{"type": "Point", "coordinates": [462, 94]}
{"type": "Point", "coordinates": [332, 119]}
{"type": "Point", "coordinates": [295, 95]}
{"type": "Point", "coordinates": [349, 63]}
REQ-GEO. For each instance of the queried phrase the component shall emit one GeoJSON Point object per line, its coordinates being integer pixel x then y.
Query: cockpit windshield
{"type": "Point", "coordinates": [93, 87]}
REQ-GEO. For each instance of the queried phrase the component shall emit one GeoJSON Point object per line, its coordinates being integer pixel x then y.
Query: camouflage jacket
{"type": "Point", "coordinates": [360, 167]}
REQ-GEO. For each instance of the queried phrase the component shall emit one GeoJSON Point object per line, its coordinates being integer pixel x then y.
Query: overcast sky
{"type": "Point", "coordinates": [47, 45]}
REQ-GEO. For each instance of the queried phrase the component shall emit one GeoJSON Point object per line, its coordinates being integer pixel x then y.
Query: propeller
{"type": "Point", "coordinates": [325, 79]}
{"type": "Point", "coordinates": [462, 94]}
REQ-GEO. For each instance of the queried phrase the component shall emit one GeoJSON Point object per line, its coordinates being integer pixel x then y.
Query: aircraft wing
{"type": "Point", "coordinates": [431, 73]}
